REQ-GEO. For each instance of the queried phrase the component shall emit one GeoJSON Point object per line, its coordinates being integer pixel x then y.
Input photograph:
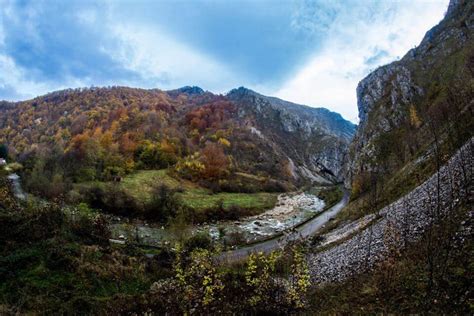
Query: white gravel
{"type": "Point", "coordinates": [406, 218]}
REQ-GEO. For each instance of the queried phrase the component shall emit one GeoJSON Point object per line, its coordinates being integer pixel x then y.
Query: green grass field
{"type": "Point", "coordinates": [199, 199]}
{"type": "Point", "coordinates": [140, 185]}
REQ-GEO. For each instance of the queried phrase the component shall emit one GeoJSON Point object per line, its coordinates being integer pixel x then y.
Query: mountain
{"type": "Point", "coordinates": [415, 112]}
{"type": "Point", "coordinates": [315, 140]}
{"type": "Point", "coordinates": [101, 133]}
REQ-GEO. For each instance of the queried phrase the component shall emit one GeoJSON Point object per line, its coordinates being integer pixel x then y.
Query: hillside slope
{"type": "Point", "coordinates": [314, 139]}
{"type": "Point", "coordinates": [414, 113]}
{"type": "Point", "coordinates": [102, 133]}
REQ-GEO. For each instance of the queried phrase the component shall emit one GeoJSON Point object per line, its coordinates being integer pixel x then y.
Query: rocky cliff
{"type": "Point", "coordinates": [314, 140]}
{"type": "Point", "coordinates": [426, 96]}
{"type": "Point", "coordinates": [400, 223]}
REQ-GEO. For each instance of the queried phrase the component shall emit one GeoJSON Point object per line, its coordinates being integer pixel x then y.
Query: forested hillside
{"type": "Point", "coordinates": [101, 133]}
{"type": "Point", "coordinates": [203, 141]}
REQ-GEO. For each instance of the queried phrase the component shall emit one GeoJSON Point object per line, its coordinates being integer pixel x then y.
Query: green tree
{"type": "Point", "coordinates": [3, 151]}
{"type": "Point", "coordinates": [164, 204]}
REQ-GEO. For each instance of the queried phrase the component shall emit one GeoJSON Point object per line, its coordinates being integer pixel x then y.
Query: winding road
{"type": "Point", "coordinates": [305, 230]}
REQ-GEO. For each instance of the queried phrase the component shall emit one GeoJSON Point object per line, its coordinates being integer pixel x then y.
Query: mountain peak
{"type": "Point", "coordinates": [241, 91]}
{"type": "Point", "coordinates": [453, 4]}
{"type": "Point", "coordinates": [190, 90]}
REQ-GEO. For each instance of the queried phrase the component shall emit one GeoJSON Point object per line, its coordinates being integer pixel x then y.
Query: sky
{"type": "Point", "coordinates": [312, 52]}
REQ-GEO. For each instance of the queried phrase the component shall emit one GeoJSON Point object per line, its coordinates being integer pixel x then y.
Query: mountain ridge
{"type": "Point", "coordinates": [189, 119]}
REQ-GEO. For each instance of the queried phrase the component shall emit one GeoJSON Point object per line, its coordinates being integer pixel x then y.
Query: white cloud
{"type": "Point", "coordinates": [165, 62]}
{"type": "Point", "coordinates": [157, 59]}
{"type": "Point", "coordinates": [16, 80]}
{"type": "Point", "coordinates": [357, 41]}
{"type": "Point", "coordinates": [357, 37]}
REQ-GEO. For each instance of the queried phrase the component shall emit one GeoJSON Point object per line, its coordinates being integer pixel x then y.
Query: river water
{"type": "Point", "coordinates": [17, 190]}
{"type": "Point", "coordinates": [290, 210]}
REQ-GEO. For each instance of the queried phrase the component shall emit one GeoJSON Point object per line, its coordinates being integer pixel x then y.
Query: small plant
{"type": "Point", "coordinates": [200, 282]}
{"type": "Point", "coordinates": [258, 276]}
{"type": "Point", "coordinates": [301, 280]}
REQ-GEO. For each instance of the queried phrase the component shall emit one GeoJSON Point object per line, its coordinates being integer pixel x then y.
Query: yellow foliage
{"type": "Point", "coordinates": [106, 140]}
{"type": "Point", "coordinates": [357, 185]}
{"type": "Point", "coordinates": [167, 147]}
{"type": "Point", "coordinates": [129, 165]}
{"type": "Point", "coordinates": [200, 281]}
{"type": "Point", "coordinates": [224, 142]}
{"type": "Point", "coordinates": [190, 165]}
{"type": "Point", "coordinates": [414, 118]}
{"type": "Point", "coordinates": [301, 279]}
{"type": "Point", "coordinates": [258, 275]}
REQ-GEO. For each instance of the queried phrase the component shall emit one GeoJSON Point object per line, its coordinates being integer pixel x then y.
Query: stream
{"type": "Point", "coordinates": [16, 185]}
{"type": "Point", "coordinates": [290, 210]}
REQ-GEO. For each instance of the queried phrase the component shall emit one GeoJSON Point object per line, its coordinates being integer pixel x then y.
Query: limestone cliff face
{"type": "Point", "coordinates": [314, 140]}
{"type": "Point", "coordinates": [393, 96]}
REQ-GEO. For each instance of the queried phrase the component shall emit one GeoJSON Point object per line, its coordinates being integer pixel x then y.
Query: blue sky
{"type": "Point", "coordinates": [306, 51]}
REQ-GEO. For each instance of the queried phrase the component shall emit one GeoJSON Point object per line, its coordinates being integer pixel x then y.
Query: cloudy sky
{"type": "Point", "coordinates": [306, 51]}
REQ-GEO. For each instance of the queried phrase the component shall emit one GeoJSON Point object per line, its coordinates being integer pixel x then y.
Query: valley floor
{"type": "Point", "coordinates": [419, 245]}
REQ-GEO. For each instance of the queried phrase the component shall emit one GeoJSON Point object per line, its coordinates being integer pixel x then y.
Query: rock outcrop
{"type": "Point", "coordinates": [415, 111]}
{"type": "Point", "coordinates": [314, 140]}
{"type": "Point", "coordinates": [397, 100]}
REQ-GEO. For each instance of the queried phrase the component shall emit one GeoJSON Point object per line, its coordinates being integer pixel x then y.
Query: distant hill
{"type": "Point", "coordinates": [101, 133]}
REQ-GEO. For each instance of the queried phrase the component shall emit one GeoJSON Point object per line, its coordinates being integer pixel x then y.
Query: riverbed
{"type": "Point", "coordinates": [290, 210]}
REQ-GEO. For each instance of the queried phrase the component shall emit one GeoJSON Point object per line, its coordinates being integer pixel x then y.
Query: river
{"type": "Point", "coordinates": [304, 231]}
{"type": "Point", "coordinates": [290, 210]}
{"type": "Point", "coordinates": [17, 189]}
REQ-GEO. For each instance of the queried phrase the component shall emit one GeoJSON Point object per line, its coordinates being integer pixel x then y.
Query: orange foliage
{"type": "Point", "coordinates": [210, 116]}
{"type": "Point", "coordinates": [127, 145]}
{"type": "Point", "coordinates": [215, 161]}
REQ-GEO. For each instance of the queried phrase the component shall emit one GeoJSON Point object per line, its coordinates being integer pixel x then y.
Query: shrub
{"type": "Point", "coordinates": [92, 230]}
{"type": "Point", "coordinates": [274, 186]}
{"type": "Point", "coordinates": [164, 204]}
{"type": "Point", "coordinates": [112, 199]}
{"type": "Point", "coordinates": [15, 166]}
{"type": "Point", "coordinates": [198, 241]}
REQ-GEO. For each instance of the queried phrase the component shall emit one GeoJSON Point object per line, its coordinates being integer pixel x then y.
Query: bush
{"type": "Point", "coordinates": [40, 223]}
{"type": "Point", "coordinates": [237, 186]}
{"type": "Point", "coordinates": [164, 204]}
{"type": "Point", "coordinates": [275, 186]}
{"type": "Point", "coordinates": [15, 166]}
{"type": "Point", "coordinates": [92, 230]}
{"type": "Point", "coordinates": [200, 240]}
{"type": "Point", "coordinates": [112, 199]}
{"type": "Point", "coordinates": [330, 196]}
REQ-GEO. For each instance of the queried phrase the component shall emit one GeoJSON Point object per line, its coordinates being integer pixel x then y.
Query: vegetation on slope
{"type": "Point", "coordinates": [433, 276]}
{"type": "Point", "coordinates": [423, 115]}
{"type": "Point", "coordinates": [75, 144]}
{"type": "Point", "coordinates": [51, 263]}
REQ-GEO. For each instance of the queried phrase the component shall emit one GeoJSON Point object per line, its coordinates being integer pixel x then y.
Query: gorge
{"type": "Point", "coordinates": [131, 201]}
